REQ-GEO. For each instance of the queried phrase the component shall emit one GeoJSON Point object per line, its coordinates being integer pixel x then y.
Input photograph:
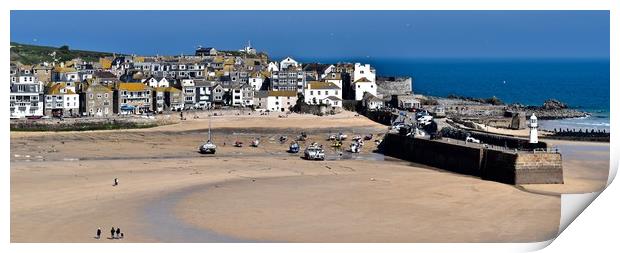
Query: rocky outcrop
{"type": "Point", "coordinates": [551, 109]}
{"type": "Point", "coordinates": [553, 104]}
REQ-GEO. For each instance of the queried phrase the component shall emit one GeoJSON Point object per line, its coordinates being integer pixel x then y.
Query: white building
{"type": "Point", "coordinates": [26, 96]}
{"type": "Point", "coordinates": [243, 95]}
{"type": "Point", "coordinates": [273, 66]}
{"type": "Point", "coordinates": [275, 101]}
{"type": "Point", "coordinates": [188, 88]}
{"type": "Point", "coordinates": [61, 99]}
{"type": "Point", "coordinates": [372, 102]}
{"type": "Point", "coordinates": [323, 93]}
{"type": "Point", "coordinates": [256, 81]}
{"type": "Point", "coordinates": [288, 61]}
{"type": "Point", "coordinates": [364, 81]}
{"type": "Point", "coordinates": [248, 49]}
{"type": "Point", "coordinates": [156, 82]}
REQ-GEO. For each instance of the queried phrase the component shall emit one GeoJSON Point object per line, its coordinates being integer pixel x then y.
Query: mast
{"type": "Point", "coordinates": [209, 128]}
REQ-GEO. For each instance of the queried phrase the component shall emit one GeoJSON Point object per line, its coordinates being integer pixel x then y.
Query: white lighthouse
{"type": "Point", "coordinates": [533, 129]}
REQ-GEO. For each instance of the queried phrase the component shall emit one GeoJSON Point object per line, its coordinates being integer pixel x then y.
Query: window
{"type": "Point", "coordinates": [105, 95]}
{"type": "Point", "coordinates": [336, 92]}
{"type": "Point", "coordinates": [318, 93]}
{"type": "Point", "coordinates": [311, 93]}
{"type": "Point", "coordinates": [90, 96]}
{"type": "Point", "coordinates": [99, 96]}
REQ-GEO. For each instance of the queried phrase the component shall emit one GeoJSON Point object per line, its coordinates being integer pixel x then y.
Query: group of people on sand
{"type": "Point", "coordinates": [114, 233]}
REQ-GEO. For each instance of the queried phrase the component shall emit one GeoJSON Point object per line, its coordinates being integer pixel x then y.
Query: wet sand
{"type": "Point", "coordinates": [61, 189]}
{"type": "Point", "coordinates": [585, 168]}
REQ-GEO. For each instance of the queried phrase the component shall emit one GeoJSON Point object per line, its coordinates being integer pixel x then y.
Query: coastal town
{"type": "Point", "coordinates": [209, 79]}
{"type": "Point", "coordinates": [140, 133]}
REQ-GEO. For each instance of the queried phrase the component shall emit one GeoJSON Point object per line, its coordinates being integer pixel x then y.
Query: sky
{"type": "Point", "coordinates": [325, 34]}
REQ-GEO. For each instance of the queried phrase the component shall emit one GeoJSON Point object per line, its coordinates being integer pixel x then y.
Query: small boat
{"type": "Point", "coordinates": [368, 137]}
{"type": "Point", "coordinates": [314, 152]}
{"type": "Point", "coordinates": [238, 144]}
{"type": "Point", "coordinates": [331, 137]}
{"type": "Point", "coordinates": [341, 136]}
{"type": "Point", "coordinates": [255, 143]}
{"type": "Point", "coordinates": [355, 147]}
{"type": "Point", "coordinates": [208, 147]}
{"type": "Point", "coordinates": [294, 148]}
{"type": "Point", "coordinates": [283, 138]}
{"type": "Point", "coordinates": [337, 144]}
{"type": "Point", "coordinates": [356, 138]}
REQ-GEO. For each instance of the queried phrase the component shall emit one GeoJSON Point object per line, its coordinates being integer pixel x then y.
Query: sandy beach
{"type": "Point", "coordinates": [61, 188]}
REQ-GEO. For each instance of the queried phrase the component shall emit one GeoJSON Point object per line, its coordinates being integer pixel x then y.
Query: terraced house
{"type": "Point", "coordinates": [326, 93]}
{"type": "Point", "coordinates": [133, 98]}
{"type": "Point", "coordinates": [62, 100]}
{"type": "Point", "coordinates": [26, 96]}
{"type": "Point", "coordinates": [167, 99]}
{"type": "Point", "coordinates": [96, 101]}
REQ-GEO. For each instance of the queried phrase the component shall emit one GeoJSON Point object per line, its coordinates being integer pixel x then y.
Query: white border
{"type": "Point", "coordinates": [579, 235]}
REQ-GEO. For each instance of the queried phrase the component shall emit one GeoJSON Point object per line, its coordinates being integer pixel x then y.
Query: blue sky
{"type": "Point", "coordinates": [326, 34]}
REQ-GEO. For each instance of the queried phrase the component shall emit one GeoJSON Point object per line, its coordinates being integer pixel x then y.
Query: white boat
{"type": "Point", "coordinates": [208, 147]}
{"type": "Point", "coordinates": [255, 143]}
{"type": "Point", "coordinates": [314, 152]}
{"type": "Point", "coordinates": [355, 147]}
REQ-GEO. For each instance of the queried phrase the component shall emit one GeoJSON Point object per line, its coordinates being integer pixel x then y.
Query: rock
{"type": "Point", "coordinates": [553, 104]}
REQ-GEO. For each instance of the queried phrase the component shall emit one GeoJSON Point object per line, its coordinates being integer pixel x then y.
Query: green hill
{"type": "Point", "coordinates": [32, 54]}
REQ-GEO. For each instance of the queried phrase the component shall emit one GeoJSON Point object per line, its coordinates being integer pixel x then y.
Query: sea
{"type": "Point", "coordinates": [580, 83]}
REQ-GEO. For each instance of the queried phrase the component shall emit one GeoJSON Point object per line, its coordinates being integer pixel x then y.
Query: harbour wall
{"type": "Point", "coordinates": [489, 164]}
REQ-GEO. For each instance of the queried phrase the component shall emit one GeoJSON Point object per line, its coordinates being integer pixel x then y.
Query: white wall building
{"type": "Point", "coordinates": [323, 93]}
{"type": "Point", "coordinates": [156, 82]}
{"type": "Point", "coordinates": [26, 96]}
{"type": "Point", "coordinates": [188, 88]}
{"type": "Point", "coordinates": [288, 61]}
{"type": "Point", "coordinates": [256, 82]}
{"type": "Point", "coordinates": [273, 66]}
{"type": "Point", "coordinates": [364, 80]}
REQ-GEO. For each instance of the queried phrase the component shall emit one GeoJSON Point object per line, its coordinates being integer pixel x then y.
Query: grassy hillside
{"type": "Point", "coordinates": [31, 54]}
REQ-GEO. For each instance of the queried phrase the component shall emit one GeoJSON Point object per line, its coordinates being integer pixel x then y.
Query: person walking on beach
{"type": "Point", "coordinates": [118, 233]}
{"type": "Point", "coordinates": [98, 233]}
{"type": "Point", "coordinates": [122, 235]}
{"type": "Point", "coordinates": [112, 232]}
{"type": "Point", "coordinates": [115, 181]}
